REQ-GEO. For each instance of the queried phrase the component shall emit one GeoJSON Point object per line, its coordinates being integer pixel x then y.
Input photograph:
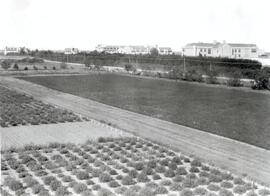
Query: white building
{"type": "Point", "coordinates": [216, 49]}
{"type": "Point", "coordinates": [71, 51]}
{"type": "Point", "coordinates": [11, 50]}
{"type": "Point", "coordinates": [164, 50]}
{"type": "Point", "coordinates": [132, 49]}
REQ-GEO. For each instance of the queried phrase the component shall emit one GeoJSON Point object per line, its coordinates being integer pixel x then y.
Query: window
{"type": "Point", "coordinates": [205, 50]}
{"type": "Point", "coordinates": [209, 51]}
{"type": "Point", "coordinates": [232, 51]}
{"type": "Point", "coordinates": [253, 50]}
{"type": "Point", "coordinates": [239, 50]}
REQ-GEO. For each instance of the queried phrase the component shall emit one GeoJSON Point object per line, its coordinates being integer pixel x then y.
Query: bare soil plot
{"type": "Point", "coordinates": [120, 166]}
{"type": "Point", "coordinates": [20, 109]}
{"type": "Point", "coordinates": [75, 132]}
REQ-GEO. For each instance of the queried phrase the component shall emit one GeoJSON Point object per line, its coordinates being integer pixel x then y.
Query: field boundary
{"type": "Point", "coordinates": [237, 157]}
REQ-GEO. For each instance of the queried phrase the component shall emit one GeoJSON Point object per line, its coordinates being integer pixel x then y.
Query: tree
{"type": "Point", "coordinates": [154, 52]}
{"type": "Point", "coordinates": [129, 67]}
{"type": "Point", "coordinates": [5, 64]}
{"type": "Point", "coordinates": [15, 66]}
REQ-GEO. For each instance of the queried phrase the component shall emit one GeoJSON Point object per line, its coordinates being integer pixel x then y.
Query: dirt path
{"type": "Point", "coordinates": [235, 156]}
{"type": "Point", "coordinates": [75, 132]}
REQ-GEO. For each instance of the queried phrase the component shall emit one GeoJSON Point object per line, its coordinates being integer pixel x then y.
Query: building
{"type": "Point", "coordinates": [164, 50]}
{"type": "Point", "coordinates": [71, 51]}
{"type": "Point", "coordinates": [11, 50]}
{"type": "Point", "coordinates": [132, 49]}
{"type": "Point", "coordinates": [216, 49]}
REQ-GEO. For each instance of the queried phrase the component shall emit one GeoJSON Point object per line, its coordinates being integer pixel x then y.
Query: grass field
{"type": "Point", "coordinates": [120, 166]}
{"type": "Point", "coordinates": [240, 115]}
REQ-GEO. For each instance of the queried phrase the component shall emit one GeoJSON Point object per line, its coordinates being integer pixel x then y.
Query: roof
{"type": "Point", "coordinates": [241, 45]}
{"type": "Point", "coordinates": [201, 44]}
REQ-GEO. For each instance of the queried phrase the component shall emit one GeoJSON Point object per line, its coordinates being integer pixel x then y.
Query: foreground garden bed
{"type": "Point", "coordinates": [121, 166]}
{"type": "Point", "coordinates": [20, 109]}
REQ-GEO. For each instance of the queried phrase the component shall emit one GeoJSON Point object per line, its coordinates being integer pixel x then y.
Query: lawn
{"type": "Point", "coordinates": [119, 166]}
{"type": "Point", "coordinates": [233, 113]}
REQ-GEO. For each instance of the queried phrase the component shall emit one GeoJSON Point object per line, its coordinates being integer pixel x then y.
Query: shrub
{"type": "Point", "coordinates": [87, 193]}
{"type": "Point", "coordinates": [139, 166]}
{"type": "Point", "coordinates": [148, 171]}
{"type": "Point", "coordinates": [146, 191]}
{"type": "Point", "coordinates": [104, 177]}
{"type": "Point", "coordinates": [176, 187]}
{"type": "Point", "coordinates": [114, 184]}
{"type": "Point", "coordinates": [79, 187]}
{"type": "Point", "coordinates": [225, 192]}
{"type": "Point", "coordinates": [152, 185]}
{"type": "Point", "coordinates": [142, 177]}
{"type": "Point", "coordinates": [213, 187]}
{"type": "Point", "coordinates": [48, 179]}
{"type": "Point", "coordinates": [127, 180]}
{"type": "Point", "coordinates": [181, 171]}
{"type": "Point", "coordinates": [186, 160]}
{"type": "Point", "coordinates": [252, 193]}
{"type": "Point", "coordinates": [82, 175]}
{"type": "Point", "coordinates": [200, 191]}
{"type": "Point", "coordinates": [121, 190]}
{"type": "Point", "coordinates": [165, 183]}
{"type": "Point", "coordinates": [160, 169]}
{"type": "Point", "coordinates": [25, 68]}
{"type": "Point", "coordinates": [178, 178]}
{"type": "Point", "coordinates": [62, 191]}
{"type": "Point", "coordinates": [186, 192]}
{"type": "Point", "coordinates": [113, 172]}
{"type": "Point", "coordinates": [194, 169]}
{"type": "Point", "coordinates": [96, 187]}
{"type": "Point", "coordinates": [238, 181]}
{"type": "Point", "coordinates": [160, 190]}
{"type": "Point", "coordinates": [189, 183]}
{"type": "Point", "coordinates": [205, 168]}
{"type": "Point", "coordinates": [37, 188]}
{"type": "Point", "coordinates": [215, 178]}
{"type": "Point", "coordinates": [239, 189]}
{"type": "Point", "coordinates": [30, 181]}
{"type": "Point", "coordinates": [226, 184]}
{"type": "Point", "coordinates": [196, 163]}
{"type": "Point", "coordinates": [96, 172]}
{"type": "Point", "coordinates": [133, 173]}
{"type": "Point", "coordinates": [104, 192]}
{"type": "Point", "coordinates": [203, 181]}
{"type": "Point", "coordinates": [55, 185]}
{"type": "Point", "coordinates": [169, 173]}
{"type": "Point", "coordinates": [67, 179]}
{"type": "Point", "coordinates": [264, 192]}
{"type": "Point", "coordinates": [13, 184]}
{"type": "Point", "coordinates": [15, 66]}
{"type": "Point", "coordinates": [234, 82]}
{"type": "Point", "coordinates": [90, 182]}
{"type": "Point", "coordinates": [172, 166]}
{"type": "Point", "coordinates": [226, 176]}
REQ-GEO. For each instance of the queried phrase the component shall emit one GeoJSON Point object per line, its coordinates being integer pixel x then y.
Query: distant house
{"type": "Point", "coordinates": [132, 49]}
{"type": "Point", "coordinates": [216, 49]}
{"type": "Point", "coordinates": [11, 50]}
{"type": "Point", "coordinates": [71, 51]}
{"type": "Point", "coordinates": [164, 50]}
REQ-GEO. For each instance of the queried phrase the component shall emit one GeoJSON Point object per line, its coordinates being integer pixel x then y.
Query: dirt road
{"type": "Point", "coordinates": [235, 156]}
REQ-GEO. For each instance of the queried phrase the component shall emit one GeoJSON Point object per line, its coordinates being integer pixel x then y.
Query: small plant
{"type": "Point", "coordinates": [181, 171]}
{"type": "Point", "coordinates": [169, 173]}
{"type": "Point", "coordinates": [127, 180]}
{"type": "Point", "coordinates": [54, 185]}
{"type": "Point", "coordinates": [194, 170]}
{"type": "Point", "coordinates": [226, 185]}
{"type": "Point", "coordinates": [225, 192]}
{"type": "Point", "coordinates": [239, 189]}
{"type": "Point", "coordinates": [82, 175]}
{"type": "Point", "coordinates": [160, 190]}
{"type": "Point", "coordinates": [165, 183]}
{"type": "Point", "coordinates": [13, 184]}
{"type": "Point", "coordinates": [176, 187]}
{"type": "Point", "coordinates": [238, 181]}
{"type": "Point", "coordinates": [196, 163]}
{"type": "Point", "coordinates": [104, 177]}
{"type": "Point", "coordinates": [79, 187]}
{"type": "Point", "coordinates": [186, 192]}
{"type": "Point", "coordinates": [156, 177]}
{"type": "Point", "coordinates": [142, 177]}
{"type": "Point", "coordinates": [200, 191]}
{"type": "Point", "coordinates": [213, 187]}
{"type": "Point", "coordinates": [114, 184]}
{"type": "Point", "coordinates": [62, 191]}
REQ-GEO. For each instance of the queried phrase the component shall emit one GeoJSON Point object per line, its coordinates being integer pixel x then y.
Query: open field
{"type": "Point", "coordinates": [237, 157]}
{"type": "Point", "coordinates": [20, 109]}
{"type": "Point", "coordinates": [107, 166]}
{"type": "Point", "coordinates": [240, 115]}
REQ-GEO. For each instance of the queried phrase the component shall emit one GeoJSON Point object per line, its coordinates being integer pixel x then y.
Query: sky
{"type": "Point", "coordinates": [59, 24]}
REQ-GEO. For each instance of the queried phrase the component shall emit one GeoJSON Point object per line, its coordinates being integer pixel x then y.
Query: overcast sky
{"type": "Point", "coordinates": [57, 24]}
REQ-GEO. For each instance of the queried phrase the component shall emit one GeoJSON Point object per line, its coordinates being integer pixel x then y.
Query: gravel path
{"type": "Point", "coordinates": [235, 156]}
